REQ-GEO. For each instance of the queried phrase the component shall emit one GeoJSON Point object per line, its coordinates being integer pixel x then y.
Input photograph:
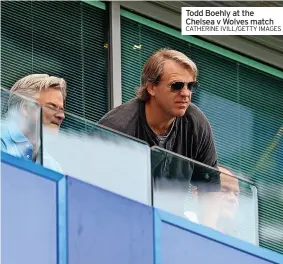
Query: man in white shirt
{"type": "Point", "coordinates": [228, 201]}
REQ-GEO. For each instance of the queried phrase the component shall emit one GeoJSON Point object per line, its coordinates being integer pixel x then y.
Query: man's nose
{"type": "Point", "coordinates": [185, 91]}
{"type": "Point", "coordinates": [60, 115]}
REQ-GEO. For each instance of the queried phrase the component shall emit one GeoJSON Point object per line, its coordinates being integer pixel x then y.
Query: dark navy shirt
{"type": "Point", "coordinates": [191, 136]}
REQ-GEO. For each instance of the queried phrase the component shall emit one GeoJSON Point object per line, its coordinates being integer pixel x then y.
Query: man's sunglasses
{"type": "Point", "coordinates": [178, 86]}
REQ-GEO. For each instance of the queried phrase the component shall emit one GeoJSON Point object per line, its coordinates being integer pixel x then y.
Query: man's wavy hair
{"type": "Point", "coordinates": [30, 86]}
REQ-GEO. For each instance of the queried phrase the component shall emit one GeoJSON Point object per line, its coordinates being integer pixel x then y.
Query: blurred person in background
{"type": "Point", "coordinates": [162, 115]}
{"type": "Point", "coordinates": [20, 131]}
{"type": "Point", "coordinates": [228, 201]}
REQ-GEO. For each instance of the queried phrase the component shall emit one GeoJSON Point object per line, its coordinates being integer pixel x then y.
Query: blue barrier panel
{"type": "Point", "coordinates": [29, 212]}
{"type": "Point", "coordinates": [180, 241]}
{"type": "Point", "coordinates": [107, 228]}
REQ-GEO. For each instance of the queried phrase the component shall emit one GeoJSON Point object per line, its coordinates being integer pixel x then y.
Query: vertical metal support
{"type": "Point", "coordinates": [41, 138]}
{"type": "Point", "coordinates": [115, 81]}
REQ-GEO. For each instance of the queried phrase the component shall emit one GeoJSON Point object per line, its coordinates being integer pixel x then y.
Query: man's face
{"type": "Point", "coordinates": [53, 108]}
{"type": "Point", "coordinates": [173, 104]}
{"type": "Point", "coordinates": [229, 196]}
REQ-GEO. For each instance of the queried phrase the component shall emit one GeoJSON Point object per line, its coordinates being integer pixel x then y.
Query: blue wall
{"type": "Point", "coordinates": [102, 227]}
{"type": "Point", "coordinates": [28, 214]}
{"type": "Point", "coordinates": [180, 241]}
{"type": "Point", "coordinates": [107, 228]}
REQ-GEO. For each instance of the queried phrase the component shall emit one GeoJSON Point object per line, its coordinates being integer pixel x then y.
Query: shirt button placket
{"type": "Point", "coordinates": [29, 152]}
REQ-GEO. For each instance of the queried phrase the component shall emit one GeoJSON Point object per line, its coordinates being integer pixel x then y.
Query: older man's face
{"type": "Point", "coordinates": [52, 108]}
{"type": "Point", "coordinates": [229, 195]}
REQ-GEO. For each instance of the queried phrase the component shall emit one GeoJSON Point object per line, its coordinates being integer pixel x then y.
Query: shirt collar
{"type": "Point", "coordinates": [15, 133]}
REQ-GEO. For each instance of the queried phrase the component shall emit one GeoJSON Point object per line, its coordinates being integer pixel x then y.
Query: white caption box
{"type": "Point", "coordinates": [232, 21]}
